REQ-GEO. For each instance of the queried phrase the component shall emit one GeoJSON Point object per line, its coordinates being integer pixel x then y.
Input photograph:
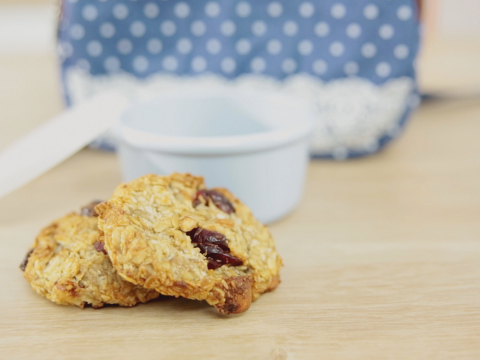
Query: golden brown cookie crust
{"type": "Point", "coordinates": [66, 268]}
{"type": "Point", "coordinates": [144, 228]}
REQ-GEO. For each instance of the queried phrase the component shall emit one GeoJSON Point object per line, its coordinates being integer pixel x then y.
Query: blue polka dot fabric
{"type": "Point", "coordinates": [375, 40]}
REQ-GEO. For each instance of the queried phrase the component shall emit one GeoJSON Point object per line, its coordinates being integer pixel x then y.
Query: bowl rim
{"type": "Point", "coordinates": [268, 139]}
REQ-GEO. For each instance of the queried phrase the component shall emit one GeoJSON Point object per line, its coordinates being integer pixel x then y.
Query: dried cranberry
{"type": "Point", "coordinates": [226, 258]}
{"type": "Point", "coordinates": [213, 264]}
{"type": "Point", "coordinates": [204, 236]}
{"type": "Point", "coordinates": [100, 247]}
{"type": "Point", "coordinates": [209, 249]}
{"type": "Point", "coordinates": [215, 248]}
{"type": "Point", "coordinates": [217, 198]}
{"type": "Point", "coordinates": [89, 210]}
{"type": "Point", "coordinates": [24, 263]}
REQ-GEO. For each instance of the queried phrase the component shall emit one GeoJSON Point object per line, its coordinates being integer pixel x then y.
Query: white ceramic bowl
{"type": "Point", "coordinates": [254, 144]}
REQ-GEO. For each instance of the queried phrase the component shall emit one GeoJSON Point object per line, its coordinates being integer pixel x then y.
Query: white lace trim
{"type": "Point", "coordinates": [353, 113]}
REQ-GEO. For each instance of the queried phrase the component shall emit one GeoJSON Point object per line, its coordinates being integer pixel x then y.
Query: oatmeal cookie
{"type": "Point", "coordinates": [170, 234]}
{"type": "Point", "coordinates": [69, 266]}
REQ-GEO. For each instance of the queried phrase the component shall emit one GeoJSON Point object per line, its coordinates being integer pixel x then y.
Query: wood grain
{"type": "Point", "coordinates": [382, 261]}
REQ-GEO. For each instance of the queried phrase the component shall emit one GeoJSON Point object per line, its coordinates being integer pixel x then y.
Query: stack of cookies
{"type": "Point", "coordinates": [164, 235]}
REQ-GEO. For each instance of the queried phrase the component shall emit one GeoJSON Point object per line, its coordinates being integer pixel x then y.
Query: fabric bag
{"type": "Point", "coordinates": [354, 59]}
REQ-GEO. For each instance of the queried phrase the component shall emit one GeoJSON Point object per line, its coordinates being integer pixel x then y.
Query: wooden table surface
{"type": "Point", "coordinates": [382, 257]}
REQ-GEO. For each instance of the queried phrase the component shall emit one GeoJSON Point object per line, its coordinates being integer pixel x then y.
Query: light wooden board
{"type": "Point", "coordinates": [382, 260]}
{"type": "Point", "coordinates": [382, 257]}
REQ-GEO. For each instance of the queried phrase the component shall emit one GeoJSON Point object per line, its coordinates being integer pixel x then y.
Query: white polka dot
{"type": "Point", "coordinates": [214, 46]}
{"type": "Point", "coordinates": [154, 46]}
{"type": "Point", "coordinates": [120, 11]}
{"type": "Point", "coordinates": [306, 9]}
{"type": "Point", "coordinates": [212, 9]}
{"type": "Point", "coordinates": [60, 51]}
{"type": "Point", "coordinates": [386, 31]}
{"type": "Point", "coordinates": [370, 11]}
{"type": "Point", "coordinates": [89, 12]}
{"type": "Point", "coordinates": [228, 28]}
{"type": "Point", "coordinates": [289, 66]}
{"type": "Point", "coordinates": [65, 50]}
{"type": "Point", "coordinates": [404, 12]}
{"type": "Point", "coordinates": [354, 30]}
{"type": "Point", "coordinates": [383, 69]}
{"type": "Point", "coordinates": [368, 50]}
{"type": "Point", "coordinates": [199, 64]}
{"type": "Point", "coordinates": [321, 29]}
{"type": "Point", "coordinates": [198, 28]}
{"type": "Point", "coordinates": [305, 47]}
{"type": "Point", "coordinates": [111, 64]}
{"type": "Point", "coordinates": [168, 28]}
{"type": "Point", "coordinates": [243, 46]}
{"type": "Point", "coordinates": [351, 68]}
{"type": "Point", "coordinates": [401, 51]}
{"type": "Point", "coordinates": [274, 46]}
{"type": "Point", "coordinates": [140, 64]}
{"type": "Point", "coordinates": [107, 30]}
{"type": "Point", "coordinates": [243, 9]}
{"type": "Point", "coordinates": [319, 67]}
{"type": "Point", "coordinates": [94, 48]}
{"type": "Point", "coordinates": [290, 28]}
{"type": "Point", "coordinates": [184, 46]}
{"type": "Point", "coordinates": [83, 64]}
{"type": "Point", "coordinates": [338, 11]}
{"type": "Point", "coordinates": [151, 10]}
{"type": "Point", "coordinates": [336, 48]}
{"type": "Point", "coordinates": [228, 65]}
{"type": "Point", "coordinates": [138, 29]}
{"type": "Point", "coordinates": [77, 31]}
{"type": "Point", "coordinates": [275, 9]}
{"type": "Point", "coordinates": [170, 63]}
{"type": "Point", "coordinates": [124, 46]}
{"type": "Point", "coordinates": [258, 65]}
{"type": "Point", "coordinates": [259, 28]}
{"type": "Point", "coordinates": [340, 153]}
{"type": "Point", "coordinates": [182, 10]}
